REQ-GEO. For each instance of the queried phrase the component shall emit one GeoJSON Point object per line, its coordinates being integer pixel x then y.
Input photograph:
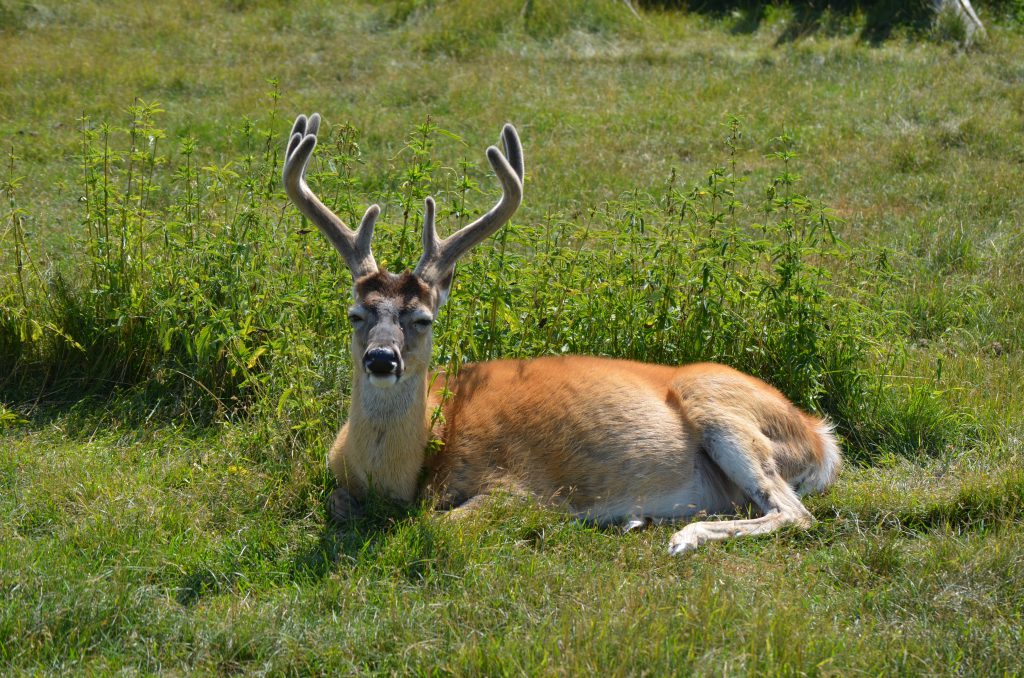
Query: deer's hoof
{"type": "Point", "coordinates": [342, 506]}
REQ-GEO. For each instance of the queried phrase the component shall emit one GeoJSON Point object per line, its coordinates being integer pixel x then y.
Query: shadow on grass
{"type": "Point", "coordinates": [980, 505]}
{"type": "Point", "coordinates": [397, 542]}
{"type": "Point", "coordinates": [975, 507]}
{"type": "Point", "coordinates": [198, 583]}
{"type": "Point", "coordinates": [353, 539]}
{"type": "Point", "coordinates": [872, 21]}
{"type": "Point", "coordinates": [184, 403]}
{"type": "Point", "coordinates": [356, 541]}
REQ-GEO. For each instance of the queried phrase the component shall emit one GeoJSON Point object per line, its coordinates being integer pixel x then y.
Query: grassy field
{"type": "Point", "coordinates": [831, 206]}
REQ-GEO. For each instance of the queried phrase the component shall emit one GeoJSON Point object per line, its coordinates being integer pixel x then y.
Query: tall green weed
{"type": "Point", "coordinates": [197, 285]}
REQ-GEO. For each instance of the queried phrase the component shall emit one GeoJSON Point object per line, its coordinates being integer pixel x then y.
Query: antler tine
{"type": "Point", "coordinates": [430, 241]}
{"type": "Point", "coordinates": [354, 246]}
{"type": "Point", "coordinates": [513, 149]}
{"type": "Point", "coordinates": [439, 256]}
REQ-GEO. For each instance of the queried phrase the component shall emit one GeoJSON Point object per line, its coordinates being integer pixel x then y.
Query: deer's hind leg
{"type": "Point", "coordinates": [744, 456]}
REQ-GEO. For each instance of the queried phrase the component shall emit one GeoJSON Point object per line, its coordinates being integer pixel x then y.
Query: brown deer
{"type": "Point", "coordinates": [609, 440]}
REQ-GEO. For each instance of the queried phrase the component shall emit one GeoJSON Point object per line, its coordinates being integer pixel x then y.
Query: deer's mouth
{"type": "Point", "coordinates": [383, 380]}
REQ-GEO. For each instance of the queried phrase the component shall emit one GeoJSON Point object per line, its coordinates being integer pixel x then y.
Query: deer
{"type": "Point", "coordinates": [610, 441]}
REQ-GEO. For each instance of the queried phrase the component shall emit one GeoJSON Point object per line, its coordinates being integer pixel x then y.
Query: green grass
{"type": "Point", "coordinates": [783, 191]}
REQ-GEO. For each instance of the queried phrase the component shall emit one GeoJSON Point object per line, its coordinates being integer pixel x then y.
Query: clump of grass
{"type": "Point", "coordinates": [954, 252]}
{"type": "Point", "coordinates": [948, 26]}
{"type": "Point", "coordinates": [937, 307]}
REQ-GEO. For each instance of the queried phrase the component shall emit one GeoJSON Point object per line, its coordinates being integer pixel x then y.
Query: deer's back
{"type": "Point", "coordinates": [599, 432]}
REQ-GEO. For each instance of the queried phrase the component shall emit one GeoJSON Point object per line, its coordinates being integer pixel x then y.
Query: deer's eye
{"type": "Point", "coordinates": [422, 323]}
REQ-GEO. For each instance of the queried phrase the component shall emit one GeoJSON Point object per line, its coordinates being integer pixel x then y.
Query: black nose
{"type": "Point", "coordinates": [381, 361]}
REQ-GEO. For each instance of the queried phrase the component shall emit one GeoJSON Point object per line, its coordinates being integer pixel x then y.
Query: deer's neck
{"type": "Point", "coordinates": [388, 431]}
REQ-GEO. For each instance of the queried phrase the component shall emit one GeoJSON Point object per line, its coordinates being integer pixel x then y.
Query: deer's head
{"type": "Point", "coordinates": [392, 314]}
